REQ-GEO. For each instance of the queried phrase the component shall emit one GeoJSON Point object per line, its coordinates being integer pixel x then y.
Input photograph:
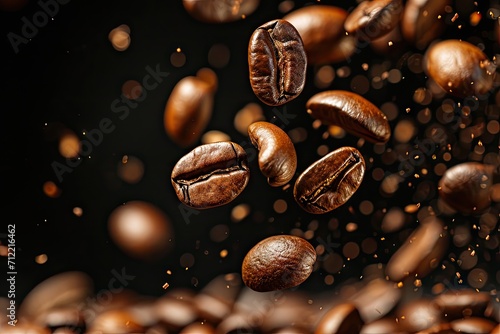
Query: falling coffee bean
{"type": "Point", "coordinates": [211, 175]}
{"type": "Point", "coordinates": [277, 263]}
{"type": "Point", "coordinates": [373, 19]}
{"type": "Point", "coordinates": [459, 67]}
{"type": "Point", "coordinates": [277, 62]}
{"type": "Point", "coordinates": [277, 156]}
{"type": "Point", "coordinates": [331, 181]}
{"type": "Point", "coordinates": [352, 112]}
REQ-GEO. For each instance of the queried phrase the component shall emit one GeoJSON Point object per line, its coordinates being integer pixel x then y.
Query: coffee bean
{"type": "Point", "coordinates": [495, 330]}
{"type": "Point", "coordinates": [466, 187]}
{"type": "Point", "coordinates": [277, 62]}
{"type": "Point", "coordinates": [277, 156]}
{"type": "Point", "coordinates": [24, 327]}
{"type": "Point", "coordinates": [211, 175]}
{"type": "Point", "coordinates": [421, 252]}
{"type": "Point", "coordinates": [277, 263]}
{"type": "Point", "coordinates": [115, 321]}
{"type": "Point", "coordinates": [465, 302]}
{"type": "Point", "coordinates": [459, 67]}
{"type": "Point", "coordinates": [188, 110]}
{"type": "Point", "coordinates": [352, 112]}
{"type": "Point", "coordinates": [417, 315]}
{"type": "Point", "coordinates": [373, 19]}
{"type": "Point", "coordinates": [341, 319]}
{"type": "Point", "coordinates": [175, 312]}
{"type": "Point", "coordinates": [473, 325]}
{"type": "Point", "coordinates": [329, 182]}
{"type": "Point", "coordinates": [384, 325]}
{"type": "Point", "coordinates": [220, 11]}
{"type": "Point", "coordinates": [423, 21]}
{"type": "Point", "coordinates": [442, 328]}
{"type": "Point", "coordinates": [322, 31]}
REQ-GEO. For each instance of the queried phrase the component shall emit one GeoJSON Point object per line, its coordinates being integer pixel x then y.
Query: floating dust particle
{"type": "Point", "coordinates": [120, 37]}
{"type": "Point", "coordinates": [366, 207]}
{"type": "Point", "coordinates": [165, 286]}
{"type": "Point", "coordinates": [77, 211]}
{"type": "Point", "coordinates": [324, 76]}
{"type": "Point", "coordinates": [186, 260]}
{"type": "Point", "coordinates": [132, 89]}
{"type": "Point", "coordinates": [130, 169]}
{"type": "Point", "coordinates": [69, 145]}
{"type": "Point", "coordinates": [350, 250]}
{"type": "Point", "coordinates": [41, 259]}
{"type": "Point", "coordinates": [417, 283]}
{"type": "Point", "coordinates": [223, 253]}
{"type": "Point", "coordinates": [219, 233]}
{"type": "Point", "coordinates": [412, 208]}
{"type": "Point", "coordinates": [351, 227]}
{"type": "Point", "coordinates": [178, 58]}
{"type": "Point", "coordinates": [50, 189]}
{"type": "Point", "coordinates": [240, 212]}
{"type": "Point", "coordinates": [475, 18]}
{"type": "Point", "coordinates": [169, 272]}
{"type": "Point", "coordinates": [329, 279]}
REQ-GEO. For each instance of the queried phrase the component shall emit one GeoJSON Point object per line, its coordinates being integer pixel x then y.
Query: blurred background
{"type": "Point", "coordinates": [67, 77]}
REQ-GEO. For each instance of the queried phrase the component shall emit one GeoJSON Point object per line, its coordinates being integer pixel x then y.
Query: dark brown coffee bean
{"type": "Point", "coordinates": [473, 325]}
{"type": "Point", "coordinates": [418, 315]}
{"type": "Point", "coordinates": [220, 11]}
{"type": "Point", "coordinates": [373, 19]}
{"type": "Point", "coordinates": [141, 230]}
{"type": "Point", "coordinates": [461, 303]}
{"type": "Point", "coordinates": [277, 263]}
{"type": "Point", "coordinates": [459, 67]}
{"type": "Point", "coordinates": [341, 319]}
{"type": "Point", "coordinates": [277, 156]}
{"type": "Point", "coordinates": [322, 31]}
{"type": "Point", "coordinates": [211, 175]}
{"type": "Point", "coordinates": [352, 112]}
{"type": "Point", "coordinates": [466, 187]}
{"type": "Point", "coordinates": [331, 181]}
{"type": "Point", "coordinates": [277, 62]}
{"type": "Point", "coordinates": [421, 252]}
{"type": "Point", "coordinates": [423, 21]}
{"type": "Point", "coordinates": [188, 110]}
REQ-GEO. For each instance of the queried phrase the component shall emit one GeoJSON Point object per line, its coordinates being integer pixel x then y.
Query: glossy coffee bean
{"type": "Point", "coordinates": [277, 263]}
{"type": "Point", "coordinates": [341, 319]}
{"type": "Point", "coordinates": [211, 175]}
{"type": "Point", "coordinates": [141, 230]}
{"type": "Point", "coordinates": [115, 321]}
{"type": "Point", "coordinates": [418, 315]}
{"type": "Point", "coordinates": [322, 31]}
{"type": "Point", "coordinates": [188, 110]}
{"type": "Point", "coordinates": [220, 11]}
{"type": "Point", "coordinates": [329, 182]}
{"type": "Point", "coordinates": [422, 251]}
{"type": "Point", "coordinates": [459, 67]}
{"type": "Point", "coordinates": [466, 187]}
{"type": "Point", "coordinates": [373, 19]}
{"type": "Point", "coordinates": [277, 62]}
{"type": "Point", "coordinates": [352, 112]}
{"type": "Point", "coordinates": [473, 325]}
{"type": "Point", "coordinates": [423, 21]}
{"type": "Point", "coordinates": [277, 156]}
{"type": "Point", "coordinates": [460, 303]}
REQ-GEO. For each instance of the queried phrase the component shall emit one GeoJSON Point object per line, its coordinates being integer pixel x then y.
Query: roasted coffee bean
{"type": "Point", "coordinates": [188, 110]}
{"type": "Point", "coordinates": [464, 302]}
{"type": "Point", "coordinates": [384, 325]}
{"type": "Point", "coordinates": [211, 175]}
{"type": "Point", "coordinates": [421, 252]}
{"type": "Point", "coordinates": [277, 263]}
{"type": "Point", "coordinates": [373, 19]}
{"type": "Point", "coordinates": [198, 328]}
{"type": "Point", "coordinates": [442, 328]}
{"type": "Point", "coordinates": [423, 21]}
{"type": "Point", "coordinates": [68, 318]}
{"type": "Point", "coordinates": [329, 182]}
{"type": "Point", "coordinates": [115, 321]}
{"type": "Point", "coordinates": [341, 319]}
{"type": "Point", "coordinates": [220, 11]}
{"type": "Point", "coordinates": [23, 327]}
{"type": "Point", "coordinates": [352, 112]}
{"type": "Point", "coordinates": [418, 315]}
{"type": "Point", "coordinates": [495, 330]}
{"type": "Point", "coordinates": [459, 67]}
{"type": "Point", "coordinates": [473, 325]}
{"type": "Point", "coordinates": [141, 230]}
{"type": "Point", "coordinates": [322, 31]}
{"type": "Point", "coordinates": [277, 62]}
{"type": "Point", "coordinates": [466, 187]}
{"type": "Point", "coordinates": [175, 312]}
{"type": "Point", "coordinates": [277, 156]}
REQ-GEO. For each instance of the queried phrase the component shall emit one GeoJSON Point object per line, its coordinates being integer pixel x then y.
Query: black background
{"type": "Point", "coordinates": [69, 73]}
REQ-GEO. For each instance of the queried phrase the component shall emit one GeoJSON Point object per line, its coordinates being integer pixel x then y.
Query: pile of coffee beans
{"type": "Point", "coordinates": [404, 184]}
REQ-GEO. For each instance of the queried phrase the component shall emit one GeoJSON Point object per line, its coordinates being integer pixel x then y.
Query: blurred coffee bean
{"type": "Point", "coordinates": [459, 67]}
{"type": "Point", "coordinates": [198, 328]}
{"type": "Point", "coordinates": [277, 156]}
{"type": "Point", "coordinates": [443, 328]}
{"type": "Point", "coordinates": [495, 330]}
{"type": "Point", "coordinates": [384, 325]}
{"type": "Point", "coordinates": [69, 319]}
{"type": "Point", "coordinates": [372, 19]}
{"type": "Point", "coordinates": [64, 289]}
{"type": "Point", "coordinates": [277, 62]}
{"type": "Point", "coordinates": [116, 322]}
{"type": "Point", "coordinates": [322, 31]}
{"type": "Point", "coordinates": [352, 112]}
{"type": "Point", "coordinates": [423, 21]}
{"type": "Point", "coordinates": [330, 181]}
{"type": "Point", "coordinates": [292, 310]}
{"type": "Point", "coordinates": [466, 187]}
{"type": "Point", "coordinates": [209, 77]}
{"type": "Point", "coordinates": [141, 230]}
{"type": "Point", "coordinates": [211, 175]}
{"type": "Point", "coordinates": [175, 313]}
{"type": "Point", "coordinates": [473, 325]}
{"type": "Point", "coordinates": [188, 110]}
{"type": "Point", "coordinates": [456, 304]}
{"type": "Point", "coordinates": [278, 262]}
{"type": "Point", "coordinates": [340, 319]}
{"type": "Point", "coordinates": [376, 299]}
{"type": "Point", "coordinates": [220, 11]}
{"type": "Point", "coordinates": [418, 315]}
{"type": "Point", "coordinates": [23, 327]}
{"type": "Point", "coordinates": [237, 323]}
